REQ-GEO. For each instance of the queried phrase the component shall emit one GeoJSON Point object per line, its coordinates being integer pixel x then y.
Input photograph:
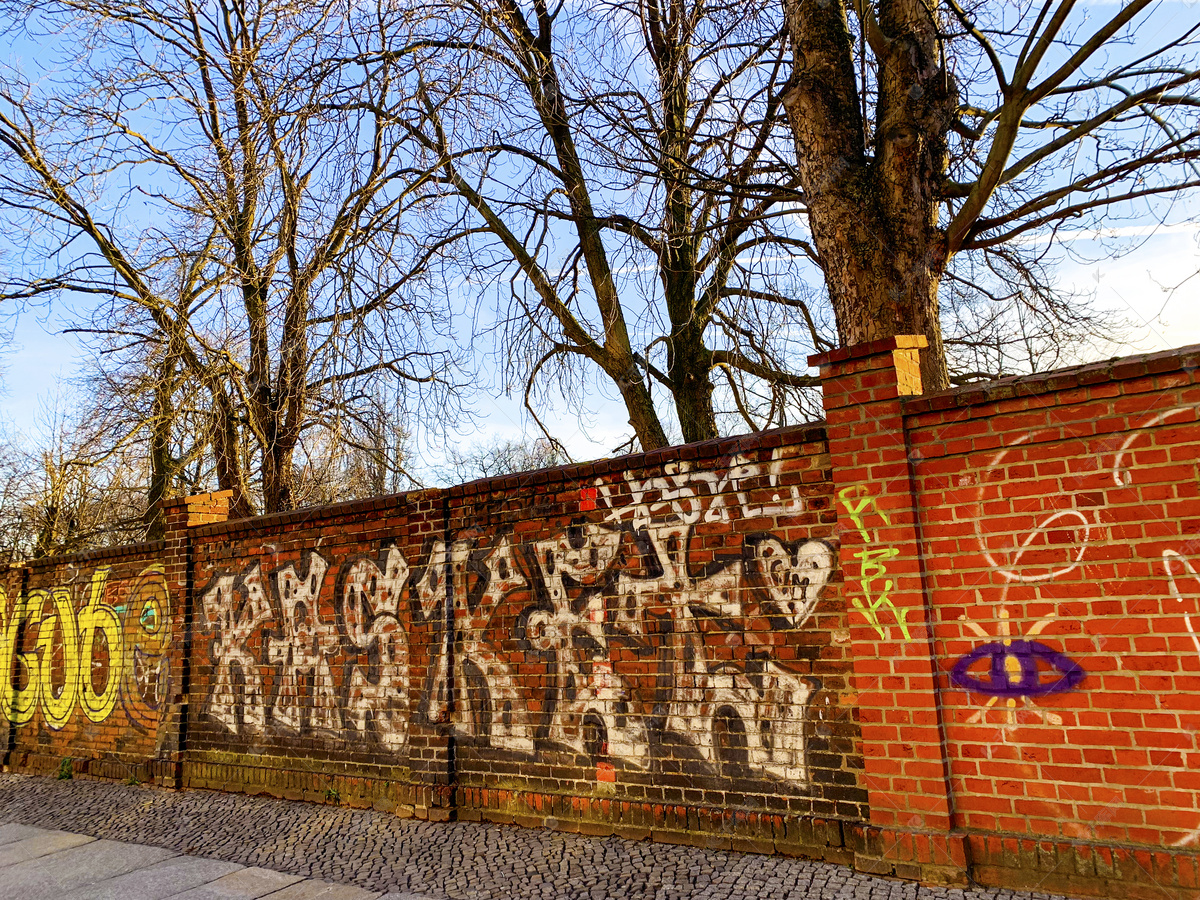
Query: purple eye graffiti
{"type": "Point", "coordinates": [1014, 670]}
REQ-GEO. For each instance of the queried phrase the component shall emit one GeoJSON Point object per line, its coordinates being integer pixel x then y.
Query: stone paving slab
{"type": "Point", "coordinates": [49, 877]}
{"type": "Point", "coordinates": [312, 889]}
{"type": "Point", "coordinates": [406, 859]}
{"type": "Point", "coordinates": [13, 832]}
{"type": "Point", "coordinates": [243, 884]}
{"type": "Point", "coordinates": [156, 882]}
{"type": "Point", "coordinates": [40, 845]}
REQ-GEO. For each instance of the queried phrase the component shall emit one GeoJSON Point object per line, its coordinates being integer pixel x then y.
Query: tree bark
{"type": "Point", "coordinates": [224, 437]}
{"type": "Point", "coordinates": [162, 466]}
{"type": "Point", "coordinates": [689, 360]}
{"type": "Point", "coordinates": [642, 415]}
{"type": "Point", "coordinates": [278, 493]}
{"type": "Point", "coordinates": [874, 215]}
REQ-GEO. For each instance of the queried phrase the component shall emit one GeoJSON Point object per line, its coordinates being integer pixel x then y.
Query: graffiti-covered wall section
{"type": "Point", "coordinates": [938, 637]}
{"type": "Point", "coordinates": [1062, 526]}
{"type": "Point", "coordinates": [311, 647]}
{"type": "Point", "coordinates": [656, 632]}
{"type": "Point", "coordinates": [85, 647]}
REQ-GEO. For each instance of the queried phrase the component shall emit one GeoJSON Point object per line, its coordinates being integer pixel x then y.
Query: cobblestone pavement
{"type": "Point", "coordinates": [380, 852]}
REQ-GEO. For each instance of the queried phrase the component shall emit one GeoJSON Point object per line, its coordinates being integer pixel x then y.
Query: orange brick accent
{"type": "Point", "coordinates": [205, 509]}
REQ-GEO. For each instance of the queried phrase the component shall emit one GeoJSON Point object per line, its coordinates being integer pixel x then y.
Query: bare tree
{"type": "Point", "coordinates": [500, 456]}
{"type": "Point", "coordinates": [622, 182]}
{"type": "Point", "coordinates": [358, 450]}
{"type": "Point", "coordinates": [12, 492]}
{"type": "Point", "coordinates": [74, 489]}
{"type": "Point", "coordinates": [229, 192]}
{"type": "Point", "coordinates": [928, 130]}
{"type": "Point", "coordinates": [142, 404]}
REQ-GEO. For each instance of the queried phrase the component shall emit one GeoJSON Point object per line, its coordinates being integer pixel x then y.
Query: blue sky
{"type": "Point", "coordinates": [1155, 285]}
{"type": "Point", "coordinates": [1149, 285]}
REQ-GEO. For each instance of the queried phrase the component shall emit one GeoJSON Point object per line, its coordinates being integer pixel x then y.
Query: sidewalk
{"type": "Point", "coordinates": [36, 864]}
{"type": "Point", "coordinates": [88, 839]}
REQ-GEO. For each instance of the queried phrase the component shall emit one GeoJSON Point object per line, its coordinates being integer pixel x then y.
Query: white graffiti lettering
{"type": "Point", "coordinates": [369, 613]}
{"type": "Point", "coordinates": [234, 607]}
{"type": "Point", "coordinates": [302, 653]}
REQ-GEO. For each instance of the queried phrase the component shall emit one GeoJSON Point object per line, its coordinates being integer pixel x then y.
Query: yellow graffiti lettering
{"type": "Point", "coordinates": [19, 689]}
{"type": "Point", "coordinates": [98, 619]}
{"type": "Point", "coordinates": [7, 646]}
{"type": "Point", "coordinates": [57, 659]}
{"type": "Point", "coordinates": [873, 562]}
{"type": "Point", "coordinates": [147, 638]}
{"type": "Point", "coordinates": [855, 511]}
{"type": "Point", "coordinates": [57, 708]}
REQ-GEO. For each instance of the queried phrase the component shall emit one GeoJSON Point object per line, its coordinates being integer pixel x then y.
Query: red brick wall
{"type": "Point", "coordinates": [665, 652]}
{"type": "Point", "coordinates": [1018, 560]}
{"type": "Point", "coordinates": [650, 644]}
{"type": "Point", "coordinates": [936, 637]}
{"type": "Point", "coordinates": [1061, 524]}
{"type": "Point", "coordinates": [311, 647]}
{"type": "Point", "coordinates": [85, 641]}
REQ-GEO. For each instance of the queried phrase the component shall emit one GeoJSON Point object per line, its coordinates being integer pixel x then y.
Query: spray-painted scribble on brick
{"type": "Point", "coordinates": [234, 606]}
{"type": "Point", "coordinates": [1016, 668]}
{"type": "Point", "coordinates": [1184, 583]}
{"type": "Point", "coordinates": [703, 697]}
{"type": "Point", "coordinates": [490, 705]}
{"type": "Point", "coordinates": [274, 653]}
{"type": "Point", "coordinates": [1176, 563]}
{"type": "Point", "coordinates": [691, 495]}
{"type": "Point", "coordinates": [1065, 531]}
{"type": "Point", "coordinates": [575, 603]}
{"type": "Point", "coordinates": [369, 615]}
{"type": "Point", "coordinates": [591, 706]}
{"type": "Point", "coordinates": [74, 650]}
{"type": "Point", "coordinates": [629, 581]}
{"type": "Point", "coordinates": [302, 654]}
{"type": "Point", "coordinates": [876, 587]}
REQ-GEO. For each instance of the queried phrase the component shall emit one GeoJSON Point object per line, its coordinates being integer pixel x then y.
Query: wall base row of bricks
{"type": "Point", "coordinates": [945, 638]}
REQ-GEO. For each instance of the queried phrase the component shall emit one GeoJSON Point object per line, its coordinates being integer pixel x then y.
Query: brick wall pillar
{"type": "Point", "coordinates": [180, 515]}
{"type": "Point", "coordinates": [911, 814]}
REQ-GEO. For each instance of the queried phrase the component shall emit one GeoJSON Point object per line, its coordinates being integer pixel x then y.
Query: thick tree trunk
{"type": "Point", "coordinates": [874, 215]}
{"type": "Point", "coordinates": [162, 466]}
{"type": "Point", "coordinates": [278, 478]}
{"type": "Point", "coordinates": [692, 390]}
{"type": "Point", "coordinates": [642, 416]}
{"type": "Point", "coordinates": [689, 362]}
{"type": "Point", "coordinates": [224, 437]}
{"type": "Point", "coordinates": [618, 360]}
{"type": "Point", "coordinates": [44, 544]}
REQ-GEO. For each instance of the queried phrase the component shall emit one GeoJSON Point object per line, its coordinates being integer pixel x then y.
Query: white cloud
{"type": "Point", "coordinates": [1092, 234]}
{"type": "Point", "coordinates": [1154, 286]}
